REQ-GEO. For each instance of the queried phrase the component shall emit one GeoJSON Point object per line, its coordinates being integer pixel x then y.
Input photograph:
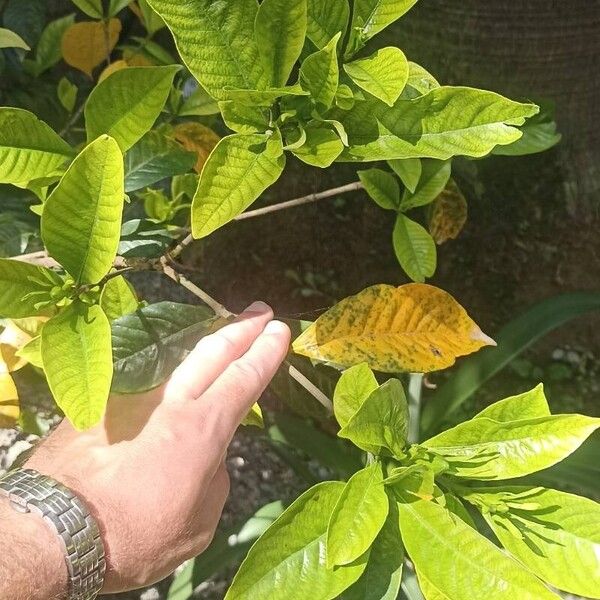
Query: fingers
{"type": "Point", "coordinates": [215, 352]}
{"type": "Point", "coordinates": [234, 392]}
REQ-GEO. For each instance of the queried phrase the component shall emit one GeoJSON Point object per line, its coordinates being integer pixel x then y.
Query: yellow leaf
{"type": "Point", "coordinates": [16, 334]}
{"type": "Point", "coordinates": [137, 59]}
{"type": "Point", "coordinates": [254, 417]}
{"type": "Point", "coordinates": [196, 138]}
{"type": "Point", "coordinates": [415, 327]}
{"type": "Point", "coordinates": [113, 68]}
{"type": "Point", "coordinates": [9, 401]}
{"type": "Point", "coordinates": [85, 45]}
{"type": "Point", "coordinates": [448, 214]}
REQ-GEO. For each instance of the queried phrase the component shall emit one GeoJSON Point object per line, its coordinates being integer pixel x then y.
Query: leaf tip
{"type": "Point", "coordinates": [479, 336]}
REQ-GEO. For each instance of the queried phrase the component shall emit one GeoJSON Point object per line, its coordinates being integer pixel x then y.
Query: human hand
{"type": "Point", "coordinates": [153, 473]}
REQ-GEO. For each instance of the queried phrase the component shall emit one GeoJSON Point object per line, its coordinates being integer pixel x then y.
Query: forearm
{"type": "Point", "coordinates": [32, 565]}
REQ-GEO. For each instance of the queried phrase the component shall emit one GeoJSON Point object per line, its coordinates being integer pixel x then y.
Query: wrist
{"type": "Point", "coordinates": [32, 561]}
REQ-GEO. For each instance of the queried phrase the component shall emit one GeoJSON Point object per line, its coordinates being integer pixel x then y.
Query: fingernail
{"type": "Point", "coordinates": [258, 307]}
{"type": "Point", "coordinates": [276, 328]}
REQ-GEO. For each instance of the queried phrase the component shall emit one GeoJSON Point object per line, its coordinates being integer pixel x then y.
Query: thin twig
{"type": "Point", "coordinates": [184, 243]}
{"type": "Point", "coordinates": [310, 387]}
{"type": "Point", "coordinates": [74, 118]}
{"type": "Point", "coordinates": [343, 189]}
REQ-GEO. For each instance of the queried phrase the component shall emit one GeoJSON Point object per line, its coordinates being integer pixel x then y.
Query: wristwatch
{"type": "Point", "coordinates": [29, 491]}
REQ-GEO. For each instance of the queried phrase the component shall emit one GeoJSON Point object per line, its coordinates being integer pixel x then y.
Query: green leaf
{"type": "Point", "coordinates": [288, 561]}
{"type": "Point", "coordinates": [9, 39]}
{"type": "Point", "coordinates": [243, 118]}
{"type": "Point", "coordinates": [528, 405]}
{"type": "Point", "coordinates": [357, 517]}
{"type": "Point", "coordinates": [199, 103]}
{"type": "Point", "coordinates": [319, 74]}
{"type": "Point", "coordinates": [382, 577]}
{"type": "Point", "coordinates": [280, 29]}
{"type": "Point", "coordinates": [67, 94]}
{"type": "Point", "coordinates": [154, 158]}
{"type": "Point", "coordinates": [372, 16]}
{"type": "Point", "coordinates": [22, 286]}
{"type": "Point", "coordinates": [409, 170]}
{"type": "Point", "coordinates": [381, 421]}
{"type": "Point", "coordinates": [92, 8]}
{"type": "Point", "coordinates": [26, 18]}
{"type": "Point", "coordinates": [435, 175]}
{"type": "Point", "coordinates": [555, 534]}
{"type": "Point", "coordinates": [354, 386]}
{"type": "Point", "coordinates": [81, 221]}
{"type": "Point", "coordinates": [486, 449]}
{"type": "Point", "coordinates": [513, 339]}
{"type": "Point", "coordinates": [420, 80]}
{"type": "Point", "coordinates": [118, 298]}
{"type": "Point", "coordinates": [216, 42]}
{"type": "Point", "coordinates": [116, 6]}
{"type": "Point", "coordinates": [459, 562]}
{"type": "Point", "coordinates": [321, 147]}
{"type": "Point", "coordinates": [144, 238]}
{"type": "Point", "coordinates": [446, 122]}
{"type": "Point", "coordinates": [414, 248]}
{"type": "Point", "coordinates": [77, 361]}
{"type": "Point", "coordinates": [152, 21]}
{"type": "Point", "coordinates": [29, 149]}
{"type": "Point", "coordinates": [127, 103]}
{"type": "Point", "coordinates": [48, 50]}
{"type": "Point", "coordinates": [237, 172]}
{"type": "Point", "coordinates": [326, 19]}
{"type": "Point", "coordinates": [262, 97]}
{"type": "Point", "coordinates": [229, 545]}
{"type": "Point", "coordinates": [383, 74]}
{"type": "Point", "coordinates": [149, 343]}
{"type": "Point", "coordinates": [382, 187]}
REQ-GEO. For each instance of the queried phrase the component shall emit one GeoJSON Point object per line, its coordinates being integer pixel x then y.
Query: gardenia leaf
{"type": "Point", "coordinates": [414, 248]}
{"type": "Point", "coordinates": [326, 19]}
{"type": "Point", "coordinates": [528, 405]}
{"type": "Point", "coordinates": [409, 170]}
{"type": "Point", "coordinates": [446, 122]}
{"type": "Point", "coordinates": [77, 361]}
{"type": "Point", "coordinates": [9, 401]}
{"type": "Point", "coordinates": [321, 147]}
{"type": "Point", "coordinates": [458, 561]}
{"type": "Point", "coordinates": [92, 8]}
{"type": "Point", "coordinates": [262, 97]}
{"type": "Point", "coordinates": [353, 387]}
{"type": "Point", "coordinates": [116, 6]}
{"type": "Point", "coordinates": [557, 535]}
{"type": "Point", "coordinates": [383, 74]}
{"type": "Point", "coordinates": [149, 343]}
{"type": "Point", "coordinates": [196, 138]}
{"type": "Point", "coordinates": [319, 74]}
{"type": "Point", "coordinates": [382, 187]}
{"type": "Point", "coordinates": [381, 421]}
{"type": "Point", "coordinates": [435, 174]}
{"type": "Point", "coordinates": [154, 158]}
{"type": "Point", "coordinates": [238, 171]}
{"type": "Point", "coordinates": [383, 575]}
{"type": "Point", "coordinates": [118, 298]}
{"type": "Point", "coordinates": [486, 449]}
{"type": "Point", "coordinates": [243, 118]}
{"type": "Point", "coordinates": [67, 94]}
{"type": "Point", "coordinates": [81, 221]}
{"type": "Point", "coordinates": [357, 517]}
{"type": "Point", "coordinates": [216, 42]}
{"type": "Point", "coordinates": [369, 17]}
{"type": "Point", "coordinates": [414, 328]}
{"type": "Point", "coordinates": [9, 39]}
{"type": "Point", "coordinates": [29, 149]}
{"type": "Point", "coordinates": [23, 286]}
{"type": "Point", "coordinates": [126, 104]}
{"type": "Point", "coordinates": [199, 103]}
{"type": "Point", "coordinates": [288, 561]}
{"type": "Point", "coordinates": [48, 49]}
{"type": "Point", "coordinates": [85, 45]}
{"type": "Point", "coordinates": [448, 214]}
{"type": "Point", "coordinates": [280, 29]}
{"type": "Point", "coordinates": [420, 81]}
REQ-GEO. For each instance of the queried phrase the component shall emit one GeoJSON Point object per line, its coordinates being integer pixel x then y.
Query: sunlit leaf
{"type": "Point", "coordinates": [434, 177]}
{"type": "Point", "coordinates": [409, 170]}
{"type": "Point", "coordinates": [319, 74]}
{"type": "Point", "coordinates": [321, 147]}
{"type": "Point", "coordinates": [420, 80]}
{"type": "Point", "coordinates": [85, 45]}
{"type": "Point", "coordinates": [528, 405]}
{"type": "Point", "coordinates": [9, 400]}
{"type": "Point", "coordinates": [9, 39]}
{"type": "Point", "coordinates": [326, 19]}
{"type": "Point", "coordinates": [382, 187]}
{"type": "Point", "coordinates": [118, 298]}
{"type": "Point", "coordinates": [354, 386]}
{"type": "Point", "coordinates": [415, 328]}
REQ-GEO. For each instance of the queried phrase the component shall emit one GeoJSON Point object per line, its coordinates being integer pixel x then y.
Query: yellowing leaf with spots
{"type": "Point", "coordinates": [197, 138]}
{"type": "Point", "coordinates": [448, 214]}
{"type": "Point", "coordinates": [415, 327]}
{"type": "Point", "coordinates": [85, 45]}
{"type": "Point", "coordinates": [9, 401]}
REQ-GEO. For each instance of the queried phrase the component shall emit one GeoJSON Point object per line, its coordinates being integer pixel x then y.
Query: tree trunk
{"type": "Point", "coordinates": [539, 49]}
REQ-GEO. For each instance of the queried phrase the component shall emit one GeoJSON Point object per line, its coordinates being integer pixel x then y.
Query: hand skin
{"type": "Point", "coordinates": [153, 473]}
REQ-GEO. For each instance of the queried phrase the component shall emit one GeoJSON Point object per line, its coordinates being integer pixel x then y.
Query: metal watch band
{"type": "Point", "coordinates": [28, 491]}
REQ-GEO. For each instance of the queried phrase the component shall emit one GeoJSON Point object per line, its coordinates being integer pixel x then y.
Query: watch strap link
{"type": "Point", "coordinates": [29, 491]}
